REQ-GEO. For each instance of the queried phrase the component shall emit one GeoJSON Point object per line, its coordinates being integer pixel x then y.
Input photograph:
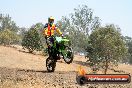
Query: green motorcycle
{"type": "Point", "coordinates": [60, 49]}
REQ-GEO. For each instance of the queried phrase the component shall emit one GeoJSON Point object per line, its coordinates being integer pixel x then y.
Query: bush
{"type": "Point", "coordinates": [8, 37]}
{"type": "Point", "coordinates": [32, 40]}
{"type": "Point", "coordinates": [106, 47]}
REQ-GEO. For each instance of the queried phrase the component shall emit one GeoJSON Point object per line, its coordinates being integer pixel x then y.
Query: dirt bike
{"type": "Point", "coordinates": [60, 49]}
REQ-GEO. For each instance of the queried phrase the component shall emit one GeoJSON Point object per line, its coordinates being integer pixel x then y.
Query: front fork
{"type": "Point", "coordinates": [64, 53]}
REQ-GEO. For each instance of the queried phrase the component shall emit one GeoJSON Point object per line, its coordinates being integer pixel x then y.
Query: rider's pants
{"type": "Point", "coordinates": [49, 42]}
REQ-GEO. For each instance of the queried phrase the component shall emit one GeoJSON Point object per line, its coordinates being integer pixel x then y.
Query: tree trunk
{"type": "Point", "coordinates": [106, 66]}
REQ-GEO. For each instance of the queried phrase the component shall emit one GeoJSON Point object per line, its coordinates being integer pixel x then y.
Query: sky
{"type": "Point", "coordinates": [28, 12]}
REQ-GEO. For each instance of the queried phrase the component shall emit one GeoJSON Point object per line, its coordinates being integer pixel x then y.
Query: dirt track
{"type": "Point", "coordinates": [19, 69]}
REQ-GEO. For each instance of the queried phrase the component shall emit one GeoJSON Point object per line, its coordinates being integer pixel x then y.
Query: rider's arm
{"type": "Point", "coordinates": [58, 31]}
{"type": "Point", "coordinates": [46, 25]}
{"type": "Point", "coordinates": [45, 29]}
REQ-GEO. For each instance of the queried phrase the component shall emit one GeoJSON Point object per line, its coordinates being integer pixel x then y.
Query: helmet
{"type": "Point", "coordinates": [51, 20]}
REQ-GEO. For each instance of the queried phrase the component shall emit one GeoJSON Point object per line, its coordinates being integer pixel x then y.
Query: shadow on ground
{"type": "Point", "coordinates": [5, 70]}
{"type": "Point", "coordinates": [81, 63]}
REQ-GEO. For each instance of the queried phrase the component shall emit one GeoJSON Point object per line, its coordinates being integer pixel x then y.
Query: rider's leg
{"type": "Point", "coordinates": [50, 42]}
{"type": "Point", "coordinates": [48, 45]}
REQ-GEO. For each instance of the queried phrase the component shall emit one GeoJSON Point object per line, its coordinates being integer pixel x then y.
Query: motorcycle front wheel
{"type": "Point", "coordinates": [68, 57]}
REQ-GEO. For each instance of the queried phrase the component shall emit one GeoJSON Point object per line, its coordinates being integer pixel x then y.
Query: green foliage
{"type": "Point", "coordinates": [130, 48]}
{"type": "Point", "coordinates": [7, 23]}
{"type": "Point", "coordinates": [107, 47]}
{"type": "Point", "coordinates": [22, 31]}
{"type": "Point", "coordinates": [128, 41]}
{"type": "Point", "coordinates": [79, 25]}
{"type": "Point", "coordinates": [64, 24]}
{"type": "Point", "coordinates": [8, 37]}
{"type": "Point", "coordinates": [83, 19]}
{"type": "Point", "coordinates": [32, 40]}
{"type": "Point", "coordinates": [8, 31]}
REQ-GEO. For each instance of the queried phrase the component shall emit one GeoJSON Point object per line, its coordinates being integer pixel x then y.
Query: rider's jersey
{"type": "Point", "coordinates": [50, 29]}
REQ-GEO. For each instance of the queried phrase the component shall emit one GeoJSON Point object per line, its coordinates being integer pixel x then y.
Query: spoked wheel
{"type": "Point", "coordinates": [50, 64]}
{"type": "Point", "coordinates": [68, 57]}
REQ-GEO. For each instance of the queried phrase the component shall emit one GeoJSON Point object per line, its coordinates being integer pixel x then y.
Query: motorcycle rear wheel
{"type": "Point", "coordinates": [50, 64]}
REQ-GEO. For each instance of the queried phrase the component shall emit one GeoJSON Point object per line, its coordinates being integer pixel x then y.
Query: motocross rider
{"type": "Point", "coordinates": [49, 30]}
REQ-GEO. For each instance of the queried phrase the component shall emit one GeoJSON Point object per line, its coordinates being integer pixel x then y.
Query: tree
{"type": "Point", "coordinates": [79, 25]}
{"type": "Point", "coordinates": [107, 47]}
{"type": "Point", "coordinates": [32, 40]}
{"type": "Point", "coordinates": [83, 19]}
{"type": "Point", "coordinates": [1, 21]}
{"type": "Point", "coordinates": [130, 52]}
{"type": "Point", "coordinates": [128, 41]}
{"type": "Point", "coordinates": [7, 23]}
{"type": "Point", "coordinates": [8, 31]}
{"type": "Point", "coordinates": [8, 37]}
{"type": "Point", "coordinates": [22, 31]}
{"type": "Point", "coordinates": [65, 25]}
